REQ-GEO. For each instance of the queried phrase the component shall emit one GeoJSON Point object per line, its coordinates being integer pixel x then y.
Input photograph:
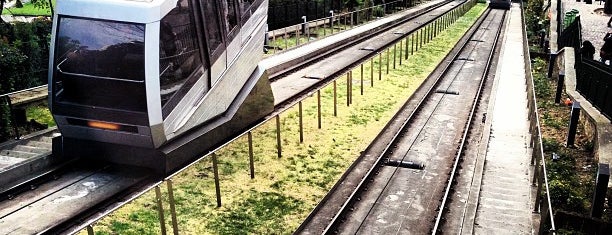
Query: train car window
{"type": "Point", "coordinates": [214, 36]}
{"type": "Point", "coordinates": [179, 54]}
{"type": "Point", "coordinates": [230, 19]}
{"type": "Point", "coordinates": [245, 11]}
{"type": "Point", "coordinates": [100, 63]}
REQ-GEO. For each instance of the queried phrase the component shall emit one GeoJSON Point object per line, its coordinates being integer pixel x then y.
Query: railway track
{"type": "Point", "coordinates": [94, 191]}
{"type": "Point", "coordinates": [409, 176]}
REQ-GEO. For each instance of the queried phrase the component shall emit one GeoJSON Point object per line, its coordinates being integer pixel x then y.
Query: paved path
{"type": "Point", "coordinates": [504, 206]}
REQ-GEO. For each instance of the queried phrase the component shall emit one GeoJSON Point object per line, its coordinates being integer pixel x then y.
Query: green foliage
{"type": "Point", "coordinates": [5, 121]}
{"type": "Point", "coordinates": [31, 8]}
{"type": "Point", "coordinates": [541, 83]}
{"type": "Point", "coordinates": [24, 54]}
{"type": "Point", "coordinates": [550, 145]}
{"type": "Point", "coordinates": [41, 114]}
{"type": "Point", "coordinates": [566, 190]}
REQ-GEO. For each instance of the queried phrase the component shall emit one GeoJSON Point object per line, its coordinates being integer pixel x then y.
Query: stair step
{"type": "Point", "coordinates": [18, 154]}
{"type": "Point", "coordinates": [45, 139]}
{"type": "Point", "coordinates": [39, 144]}
{"type": "Point", "coordinates": [30, 149]}
{"type": "Point", "coordinates": [6, 161]}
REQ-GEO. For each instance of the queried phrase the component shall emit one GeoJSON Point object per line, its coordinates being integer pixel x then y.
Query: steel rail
{"type": "Point", "coordinates": [467, 129]}
{"type": "Point", "coordinates": [396, 136]}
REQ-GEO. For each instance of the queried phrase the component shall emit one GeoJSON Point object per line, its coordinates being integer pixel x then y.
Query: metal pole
{"type": "Point", "coordinates": [175, 230]}
{"type": "Point", "coordinates": [361, 79]}
{"type": "Point", "coordinates": [300, 121]}
{"type": "Point", "coordinates": [160, 210]}
{"type": "Point", "coordinates": [285, 39]}
{"type": "Point", "coordinates": [216, 173]}
{"type": "Point", "coordinates": [278, 137]}
{"type": "Point", "coordinates": [348, 89]}
{"type": "Point", "coordinates": [297, 35]}
{"type": "Point", "coordinates": [536, 206]}
{"type": "Point", "coordinates": [400, 52]}
{"type": "Point", "coordinates": [335, 99]}
{"type": "Point", "coordinates": [319, 108]}
{"type": "Point", "coordinates": [90, 230]}
{"type": "Point", "coordinates": [251, 161]}
{"type": "Point", "coordinates": [573, 125]}
{"type": "Point", "coordinates": [406, 50]}
{"type": "Point", "coordinates": [560, 82]}
{"type": "Point", "coordinates": [331, 21]}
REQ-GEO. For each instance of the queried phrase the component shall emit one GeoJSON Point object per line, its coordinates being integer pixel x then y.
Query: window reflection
{"type": "Point", "coordinates": [178, 52]}
{"type": "Point", "coordinates": [100, 63]}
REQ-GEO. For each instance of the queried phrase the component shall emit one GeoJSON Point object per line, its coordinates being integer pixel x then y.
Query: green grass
{"type": "Point", "coordinates": [41, 114]}
{"type": "Point", "coordinates": [286, 189]}
{"type": "Point", "coordinates": [29, 9]}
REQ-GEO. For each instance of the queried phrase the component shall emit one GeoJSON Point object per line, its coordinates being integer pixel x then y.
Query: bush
{"type": "Point", "coordinates": [24, 50]}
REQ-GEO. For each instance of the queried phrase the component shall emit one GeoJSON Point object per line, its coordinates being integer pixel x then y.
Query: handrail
{"type": "Point", "coordinates": [24, 90]}
{"type": "Point", "coordinates": [538, 159]}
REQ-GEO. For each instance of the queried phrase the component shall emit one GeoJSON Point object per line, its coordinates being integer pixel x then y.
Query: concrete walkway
{"type": "Point", "coordinates": [504, 206]}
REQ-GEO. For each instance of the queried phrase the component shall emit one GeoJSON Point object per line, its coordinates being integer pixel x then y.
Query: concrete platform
{"type": "Point", "coordinates": [505, 203]}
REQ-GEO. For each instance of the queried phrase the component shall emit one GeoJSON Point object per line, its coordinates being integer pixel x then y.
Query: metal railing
{"type": "Point", "coordinates": [307, 31]}
{"type": "Point", "coordinates": [542, 203]}
{"type": "Point", "coordinates": [291, 13]}
{"type": "Point", "coordinates": [571, 36]}
{"type": "Point", "coordinates": [594, 82]}
{"type": "Point", "coordinates": [9, 128]}
{"type": "Point", "coordinates": [593, 78]}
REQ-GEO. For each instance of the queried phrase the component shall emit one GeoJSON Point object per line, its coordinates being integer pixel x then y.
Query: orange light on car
{"type": "Point", "coordinates": [103, 125]}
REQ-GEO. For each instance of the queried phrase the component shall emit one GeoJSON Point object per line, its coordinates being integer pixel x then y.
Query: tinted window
{"type": "Point", "coordinates": [244, 7]}
{"type": "Point", "coordinates": [179, 53]}
{"type": "Point", "coordinates": [100, 63]}
{"type": "Point", "coordinates": [229, 15]}
{"type": "Point", "coordinates": [101, 48]}
{"type": "Point", "coordinates": [213, 28]}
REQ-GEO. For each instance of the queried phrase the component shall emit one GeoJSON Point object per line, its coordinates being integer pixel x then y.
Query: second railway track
{"type": "Point", "coordinates": [411, 177]}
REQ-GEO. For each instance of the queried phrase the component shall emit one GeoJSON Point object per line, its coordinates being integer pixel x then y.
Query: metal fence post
{"type": "Point", "coordinates": [90, 230]}
{"type": "Point", "coordinates": [573, 125]}
{"type": "Point", "coordinates": [331, 21]}
{"type": "Point", "coordinates": [601, 189]}
{"type": "Point", "coordinates": [160, 210]}
{"type": "Point", "coordinates": [335, 98]}
{"type": "Point", "coordinates": [319, 108]}
{"type": "Point", "coordinates": [300, 122]}
{"type": "Point", "coordinates": [172, 207]}
{"type": "Point", "coordinates": [551, 63]}
{"type": "Point", "coordinates": [560, 82]}
{"type": "Point", "coordinates": [251, 160]}
{"type": "Point", "coordinates": [216, 174]}
{"type": "Point", "coordinates": [279, 149]}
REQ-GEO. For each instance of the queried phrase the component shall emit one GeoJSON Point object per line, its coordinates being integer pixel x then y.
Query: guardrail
{"type": "Point", "coordinates": [594, 82]}
{"type": "Point", "coordinates": [542, 203]}
{"type": "Point", "coordinates": [307, 31]}
{"type": "Point", "coordinates": [291, 13]}
{"type": "Point", "coordinates": [8, 119]}
{"type": "Point", "coordinates": [593, 78]}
